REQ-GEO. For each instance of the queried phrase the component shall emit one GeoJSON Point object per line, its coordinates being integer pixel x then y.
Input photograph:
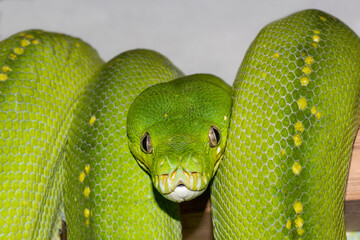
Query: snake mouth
{"type": "Point", "coordinates": [181, 185]}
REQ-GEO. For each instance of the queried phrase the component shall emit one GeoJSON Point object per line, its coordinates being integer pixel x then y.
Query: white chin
{"type": "Point", "coordinates": [181, 194]}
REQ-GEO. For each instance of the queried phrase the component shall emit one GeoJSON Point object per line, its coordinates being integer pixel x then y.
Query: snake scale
{"type": "Point", "coordinates": [93, 145]}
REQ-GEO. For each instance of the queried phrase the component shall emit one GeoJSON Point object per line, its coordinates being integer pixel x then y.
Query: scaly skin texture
{"type": "Point", "coordinates": [42, 75]}
{"type": "Point", "coordinates": [114, 196]}
{"type": "Point", "coordinates": [295, 117]}
{"type": "Point", "coordinates": [64, 144]}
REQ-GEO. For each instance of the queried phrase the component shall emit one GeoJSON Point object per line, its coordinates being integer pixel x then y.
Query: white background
{"type": "Point", "coordinates": [197, 35]}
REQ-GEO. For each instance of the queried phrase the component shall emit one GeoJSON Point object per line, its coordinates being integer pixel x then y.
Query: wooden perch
{"type": "Point", "coordinates": [196, 216]}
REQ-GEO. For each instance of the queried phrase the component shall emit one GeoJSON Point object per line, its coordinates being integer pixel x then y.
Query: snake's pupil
{"type": "Point", "coordinates": [146, 143]}
{"type": "Point", "coordinates": [214, 136]}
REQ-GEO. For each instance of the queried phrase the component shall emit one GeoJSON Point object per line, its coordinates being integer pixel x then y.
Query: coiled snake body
{"type": "Point", "coordinates": [71, 128]}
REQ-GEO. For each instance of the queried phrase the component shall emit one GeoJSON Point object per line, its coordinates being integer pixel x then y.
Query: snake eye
{"type": "Point", "coordinates": [146, 143]}
{"type": "Point", "coordinates": [214, 136]}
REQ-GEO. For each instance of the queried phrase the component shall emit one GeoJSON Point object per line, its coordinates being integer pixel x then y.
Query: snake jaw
{"type": "Point", "coordinates": [181, 185]}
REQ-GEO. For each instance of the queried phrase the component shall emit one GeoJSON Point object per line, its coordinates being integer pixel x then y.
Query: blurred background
{"type": "Point", "coordinates": [196, 35]}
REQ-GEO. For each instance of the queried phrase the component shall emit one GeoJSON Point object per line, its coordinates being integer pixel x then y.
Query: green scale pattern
{"type": "Point", "coordinates": [122, 203]}
{"type": "Point", "coordinates": [41, 79]}
{"type": "Point", "coordinates": [282, 179]}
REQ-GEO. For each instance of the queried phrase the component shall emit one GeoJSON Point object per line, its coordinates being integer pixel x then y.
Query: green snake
{"type": "Point", "coordinates": [103, 147]}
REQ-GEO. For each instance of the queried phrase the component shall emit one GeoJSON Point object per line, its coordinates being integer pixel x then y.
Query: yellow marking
{"type": "Point", "coordinates": [316, 38]}
{"type": "Point", "coordinates": [298, 222]}
{"type": "Point", "coordinates": [313, 110]}
{"type": "Point", "coordinates": [299, 127]}
{"type": "Point", "coordinates": [22, 34]}
{"type": "Point", "coordinates": [35, 42]}
{"type": "Point", "coordinates": [77, 44]}
{"type": "Point", "coordinates": [304, 80]}
{"type": "Point", "coordinates": [301, 232]}
{"type": "Point", "coordinates": [25, 43]}
{"type": "Point", "coordinates": [276, 55]}
{"type": "Point", "coordinates": [29, 36]}
{"type": "Point", "coordinates": [309, 60]}
{"type": "Point", "coordinates": [218, 150]}
{"type": "Point", "coordinates": [296, 168]}
{"type": "Point", "coordinates": [302, 104]}
{"type": "Point", "coordinates": [323, 19]}
{"type": "Point", "coordinates": [225, 117]}
{"type": "Point", "coordinates": [82, 177]}
{"type": "Point", "coordinates": [317, 31]}
{"type": "Point", "coordinates": [86, 212]}
{"type": "Point", "coordinates": [303, 53]}
{"type": "Point", "coordinates": [298, 207]}
{"type": "Point", "coordinates": [87, 191]}
{"type": "Point", "coordinates": [87, 222]}
{"type": "Point", "coordinates": [6, 69]}
{"type": "Point", "coordinates": [307, 70]}
{"type": "Point", "coordinates": [314, 44]}
{"type": "Point", "coordinates": [92, 120]}
{"type": "Point", "coordinates": [263, 75]}
{"type": "Point", "coordinates": [165, 115]}
{"type": "Point", "coordinates": [18, 50]}
{"type": "Point", "coordinates": [87, 168]}
{"type": "Point", "coordinates": [12, 56]}
{"type": "Point", "coordinates": [288, 224]}
{"type": "Point", "coordinates": [3, 77]}
{"type": "Point", "coordinates": [297, 140]}
{"type": "Point", "coordinates": [91, 213]}
{"type": "Point", "coordinates": [318, 115]}
{"type": "Point", "coordinates": [282, 152]}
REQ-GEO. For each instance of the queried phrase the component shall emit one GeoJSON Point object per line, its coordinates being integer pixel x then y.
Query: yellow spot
{"type": "Point", "coordinates": [6, 69]}
{"type": "Point", "coordinates": [302, 103]}
{"type": "Point", "coordinates": [18, 50]}
{"type": "Point", "coordinates": [225, 117]}
{"type": "Point", "coordinates": [296, 168]}
{"type": "Point", "coordinates": [166, 115]}
{"type": "Point", "coordinates": [313, 110]}
{"type": "Point", "coordinates": [314, 44]}
{"type": "Point", "coordinates": [82, 177]}
{"type": "Point", "coordinates": [12, 56]}
{"type": "Point", "coordinates": [263, 75]}
{"type": "Point", "coordinates": [25, 43]}
{"type": "Point", "coordinates": [22, 34]}
{"type": "Point", "coordinates": [35, 42]}
{"type": "Point", "coordinates": [87, 168]}
{"type": "Point", "coordinates": [92, 120]}
{"type": "Point", "coordinates": [298, 207]}
{"type": "Point", "coordinates": [316, 38]}
{"type": "Point", "coordinates": [29, 36]}
{"type": "Point", "coordinates": [276, 55]}
{"type": "Point", "coordinates": [303, 53]}
{"type": "Point", "coordinates": [318, 115]}
{"type": "Point", "coordinates": [323, 19]}
{"type": "Point", "coordinates": [91, 213]}
{"type": "Point", "coordinates": [298, 222]}
{"type": "Point", "coordinates": [299, 127]}
{"type": "Point", "coordinates": [304, 80]}
{"type": "Point", "coordinates": [317, 31]}
{"type": "Point", "coordinates": [87, 222]}
{"type": "Point", "coordinates": [86, 212]}
{"type": "Point", "coordinates": [300, 231]}
{"type": "Point", "coordinates": [307, 70]}
{"type": "Point", "coordinates": [288, 224]}
{"type": "Point", "coordinates": [87, 191]}
{"type": "Point", "coordinates": [309, 60]}
{"type": "Point", "coordinates": [77, 44]}
{"type": "Point", "coordinates": [297, 140]}
{"type": "Point", "coordinates": [282, 152]}
{"type": "Point", "coordinates": [3, 77]}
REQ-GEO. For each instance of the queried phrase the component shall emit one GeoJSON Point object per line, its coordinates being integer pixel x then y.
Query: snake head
{"type": "Point", "coordinates": [177, 132]}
